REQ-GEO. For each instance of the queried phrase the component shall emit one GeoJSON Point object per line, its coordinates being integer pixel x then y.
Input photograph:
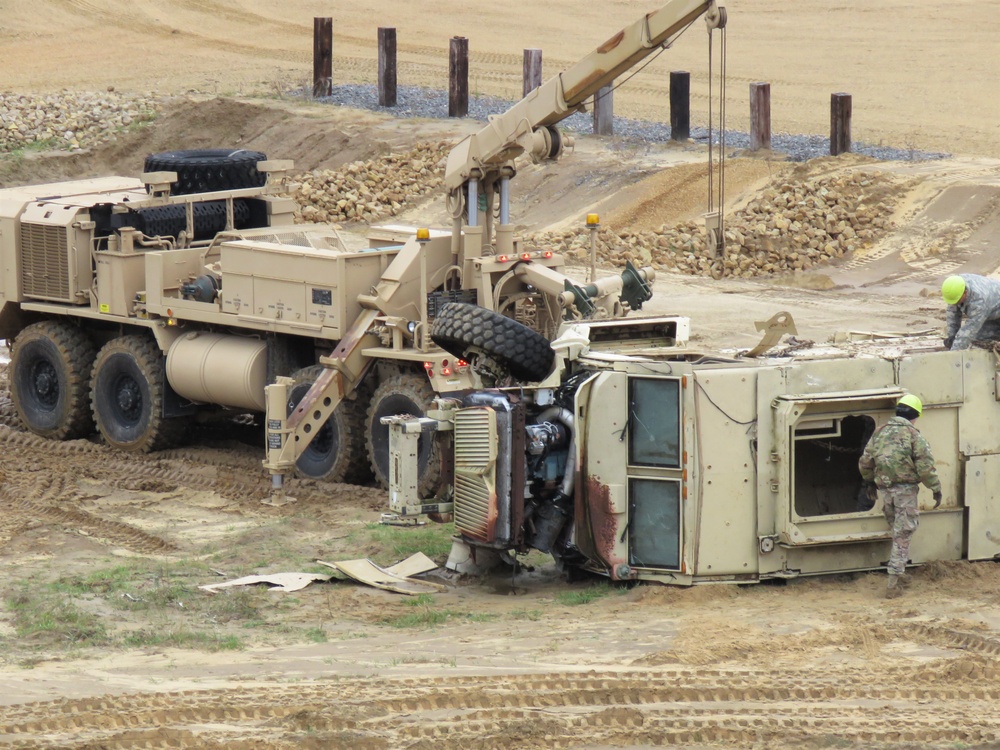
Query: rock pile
{"type": "Point", "coordinates": [792, 226]}
{"type": "Point", "coordinates": [69, 120]}
{"type": "Point", "coordinates": [369, 191]}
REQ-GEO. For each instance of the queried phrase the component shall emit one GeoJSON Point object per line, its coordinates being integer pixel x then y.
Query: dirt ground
{"type": "Point", "coordinates": [122, 542]}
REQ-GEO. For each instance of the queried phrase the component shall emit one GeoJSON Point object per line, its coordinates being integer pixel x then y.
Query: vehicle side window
{"type": "Point", "coordinates": [654, 427]}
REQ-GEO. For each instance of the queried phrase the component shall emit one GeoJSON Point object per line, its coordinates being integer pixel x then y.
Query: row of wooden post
{"type": "Point", "coordinates": [603, 109]}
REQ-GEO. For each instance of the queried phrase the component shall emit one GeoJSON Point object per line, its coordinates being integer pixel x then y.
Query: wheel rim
{"type": "Point", "coordinates": [317, 459]}
{"type": "Point", "coordinates": [126, 398]}
{"type": "Point", "coordinates": [323, 443]}
{"type": "Point", "coordinates": [45, 384]}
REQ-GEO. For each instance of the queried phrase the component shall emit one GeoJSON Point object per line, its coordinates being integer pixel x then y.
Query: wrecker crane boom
{"type": "Point", "coordinates": [484, 161]}
{"type": "Point", "coordinates": [528, 125]}
{"type": "Point", "coordinates": [478, 171]}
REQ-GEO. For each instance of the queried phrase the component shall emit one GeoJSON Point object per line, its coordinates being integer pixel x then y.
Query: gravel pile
{"type": "Point", "coordinates": [69, 120]}
{"type": "Point", "coordinates": [369, 191]}
{"type": "Point", "coordinates": [413, 101]}
{"type": "Point", "coordinates": [793, 226]}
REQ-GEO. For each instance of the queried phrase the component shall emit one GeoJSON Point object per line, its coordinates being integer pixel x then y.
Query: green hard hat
{"type": "Point", "coordinates": [913, 402]}
{"type": "Point", "coordinates": [952, 289]}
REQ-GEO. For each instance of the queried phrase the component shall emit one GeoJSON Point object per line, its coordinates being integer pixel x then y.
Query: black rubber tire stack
{"type": "Point", "coordinates": [208, 170]}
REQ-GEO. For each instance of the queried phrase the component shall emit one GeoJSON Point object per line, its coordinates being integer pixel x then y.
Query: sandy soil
{"type": "Point", "coordinates": [813, 663]}
{"type": "Point", "coordinates": [917, 70]}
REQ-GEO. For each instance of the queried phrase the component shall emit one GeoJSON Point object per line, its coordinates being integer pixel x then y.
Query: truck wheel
{"type": "Point", "coordinates": [50, 381]}
{"type": "Point", "coordinates": [127, 388]}
{"type": "Point", "coordinates": [461, 329]}
{"type": "Point", "coordinates": [408, 393]}
{"type": "Point", "coordinates": [337, 452]}
{"type": "Point", "coordinates": [210, 169]}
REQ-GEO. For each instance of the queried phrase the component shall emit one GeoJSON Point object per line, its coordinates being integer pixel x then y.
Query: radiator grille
{"type": "Point", "coordinates": [475, 473]}
{"type": "Point", "coordinates": [45, 262]}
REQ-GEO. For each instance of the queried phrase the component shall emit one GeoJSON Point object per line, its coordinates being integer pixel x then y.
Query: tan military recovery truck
{"type": "Point", "coordinates": [136, 305]}
{"type": "Point", "coordinates": [640, 459]}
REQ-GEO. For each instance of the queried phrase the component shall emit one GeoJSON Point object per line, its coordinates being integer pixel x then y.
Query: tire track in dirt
{"type": "Point", "coordinates": [621, 708]}
{"type": "Point", "coordinates": [109, 532]}
{"type": "Point", "coordinates": [41, 485]}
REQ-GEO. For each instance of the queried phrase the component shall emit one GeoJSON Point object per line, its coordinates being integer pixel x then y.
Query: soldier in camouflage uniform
{"type": "Point", "coordinates": [977, 299]}
{"type": "Point", "coordinates": [897, 459]}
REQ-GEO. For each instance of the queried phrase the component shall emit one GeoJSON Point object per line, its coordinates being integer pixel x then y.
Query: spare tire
{"type": "Point", "coordinates": [460, 329]}
{"type": "Point", "coordinates": [208, 170]}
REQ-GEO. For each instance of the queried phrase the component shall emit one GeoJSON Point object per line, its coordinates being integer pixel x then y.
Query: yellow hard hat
{"type": "Point", "coordinates": [952, 289]}
{"type": "Point", "coordinates": [913, 402]}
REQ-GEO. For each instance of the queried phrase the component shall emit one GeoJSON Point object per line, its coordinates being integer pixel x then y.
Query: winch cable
{"type": "Point", "coordinates": [722, 128]}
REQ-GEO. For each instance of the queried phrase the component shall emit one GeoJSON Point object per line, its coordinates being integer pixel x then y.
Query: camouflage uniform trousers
{"type": "Point", "coordinates": [899, 504]}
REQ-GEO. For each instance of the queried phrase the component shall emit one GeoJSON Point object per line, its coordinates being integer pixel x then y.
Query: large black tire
{"type": "Point", "coordinates": [208, 170]}
{"type": "Point", "coordinates": [408, 393]}
{"type": "Point", "coordinates": [127, 390]}
{"type": "Point", "coordinates": [50, 379]}
{"type": "Point", "coordinates": [461, 329]}
{"type": "Point", "coordinates": [337, 453]}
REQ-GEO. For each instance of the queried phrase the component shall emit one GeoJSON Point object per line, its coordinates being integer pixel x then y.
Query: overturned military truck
{"type": "Point", "coordinates": [654, 461]}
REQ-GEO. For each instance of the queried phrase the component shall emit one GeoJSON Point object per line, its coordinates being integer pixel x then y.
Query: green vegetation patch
{"type": "Point", "coordinates": [399, 542]}
{"type": "Point", "coordinates": [427, 615]}
{"type": "Point", "coordinates": [82, 611]}
{"type": "Point", "coordinates": [44, 620]}
{"type": "Point", "coordinates": [584, 596]}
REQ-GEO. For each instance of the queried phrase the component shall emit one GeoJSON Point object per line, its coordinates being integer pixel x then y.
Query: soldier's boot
{"type": "Point", "coordinates": [893, 589]}
{"type": "Point", "coordinates": [904, 580]}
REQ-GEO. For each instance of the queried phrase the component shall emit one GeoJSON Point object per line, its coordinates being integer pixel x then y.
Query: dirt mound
{"type": "Point", "coordinates": [314, 137]}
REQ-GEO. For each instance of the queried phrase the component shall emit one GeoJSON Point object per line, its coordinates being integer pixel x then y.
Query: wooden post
{"type": "Point", "coordinates": [458, 77]}
{"type": "Point", "coordinates": [760, 116]}
{"type": "Point", "coordinates": [322, 56]}
{"type": "Point", "coordinates": [680, 105]}
{"type": "Point", "coordinates": [532, 71]}
{"type": "Point", "coordinates": [840, 124]}
{"type": "Point", "coordinates": [387, 67]}
{"type": "Point", "coordinates": [604, 110]}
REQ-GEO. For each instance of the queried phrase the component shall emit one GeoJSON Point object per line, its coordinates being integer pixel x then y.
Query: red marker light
{"type": "Point", "coordinates": [444, 363]}
{"type": "Point", "coordinates": [428, 365]}
{"type": "Point", "coordinates": [548, 253]}
{"type": "Point", "coordinates": [503, 259]}
{"type": "Point", "coordinates": [446, 371]}
{"type": "Point", "coordinates": [525, 256]}
{"type": "Point", "coordinates": [462, 363]}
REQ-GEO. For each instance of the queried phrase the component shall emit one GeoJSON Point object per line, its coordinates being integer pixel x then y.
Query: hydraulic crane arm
{"type": "Point", "coordinates": [528, 125]}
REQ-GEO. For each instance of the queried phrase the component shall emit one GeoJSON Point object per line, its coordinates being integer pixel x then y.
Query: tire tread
{"type": "Point", "coordinates": [460, 327]}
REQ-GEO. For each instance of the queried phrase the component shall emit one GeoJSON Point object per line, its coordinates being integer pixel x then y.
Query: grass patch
{"type": "Point", "coordinates": [583, 596]}
{"type": "Point", "coordinates": [316, 635]}
{"type": "Point", "coordinates": [182, 639]}
{"type": "Point", "coordinates": [35, 147]}
{"type": "Point", "coordinates": [46, 620]}
{"type": "Point", "coordinates": [426, 616]}
{"type": "Point", "coordinates": [399, 542]}
{"type": "Point", "coordinates": [75, 612]}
